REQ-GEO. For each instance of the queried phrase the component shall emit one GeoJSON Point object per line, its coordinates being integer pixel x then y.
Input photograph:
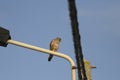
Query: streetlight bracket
{"type": "Point", "coordinates": [5, 39]}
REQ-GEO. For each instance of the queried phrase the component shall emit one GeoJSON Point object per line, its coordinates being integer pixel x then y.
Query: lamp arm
{"type": "Point", "coordinates": [66, 57]}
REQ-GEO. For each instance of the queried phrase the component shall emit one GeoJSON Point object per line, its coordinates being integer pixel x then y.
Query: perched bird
{"type": "Point", "coordinates": [54, 45]}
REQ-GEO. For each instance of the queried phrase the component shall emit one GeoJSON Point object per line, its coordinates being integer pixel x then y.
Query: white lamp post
{"type": "Point", "coordinates": [73, 66]}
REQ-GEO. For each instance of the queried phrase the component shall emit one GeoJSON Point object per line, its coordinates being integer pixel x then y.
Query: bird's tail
{"type": "Point", "coordinates": [50, 57]}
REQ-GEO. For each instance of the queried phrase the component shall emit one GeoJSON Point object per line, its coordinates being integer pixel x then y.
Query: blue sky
{"type": "Point", "coordinates": [37, 22]}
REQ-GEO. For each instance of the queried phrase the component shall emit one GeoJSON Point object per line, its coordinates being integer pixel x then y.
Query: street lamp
{"type": "Point", "coordinates": [5, 39]}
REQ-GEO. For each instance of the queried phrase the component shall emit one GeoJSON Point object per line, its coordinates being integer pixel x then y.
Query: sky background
{"type": "Point", "coordinates": [37, 22]}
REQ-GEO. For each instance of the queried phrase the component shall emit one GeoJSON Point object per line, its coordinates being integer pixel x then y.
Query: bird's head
{"type": "Point", "coordinates": [59, 39]}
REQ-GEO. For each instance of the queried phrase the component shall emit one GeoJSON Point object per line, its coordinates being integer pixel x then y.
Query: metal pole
{"type": "Point", "coordinates": [66, 57]}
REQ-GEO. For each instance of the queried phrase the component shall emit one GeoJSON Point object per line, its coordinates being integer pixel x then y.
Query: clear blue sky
{"type": "Point", "coordinates": [37, 22]}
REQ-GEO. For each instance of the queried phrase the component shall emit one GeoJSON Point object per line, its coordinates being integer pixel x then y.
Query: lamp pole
{"type": "Point", "coordinates": [66, 57]}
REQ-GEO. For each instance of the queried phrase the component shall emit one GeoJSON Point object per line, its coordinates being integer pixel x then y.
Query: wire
{"type": "Point", "coordinates": [77, 40]}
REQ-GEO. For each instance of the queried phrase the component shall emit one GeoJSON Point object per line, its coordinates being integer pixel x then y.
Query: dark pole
{"type": "Point", "coordinates": [77, 40]}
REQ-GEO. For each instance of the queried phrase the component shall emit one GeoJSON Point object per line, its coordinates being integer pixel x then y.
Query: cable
{"type": "Point", "coordinates": [77, 40]}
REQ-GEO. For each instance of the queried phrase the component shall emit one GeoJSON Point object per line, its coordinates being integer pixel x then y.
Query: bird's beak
{"type": "Point", "coordinates": [60, 40]}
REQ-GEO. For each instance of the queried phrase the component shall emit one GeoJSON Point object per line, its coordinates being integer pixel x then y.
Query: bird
{"type": "Point", "coordinates": [54, 46]}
